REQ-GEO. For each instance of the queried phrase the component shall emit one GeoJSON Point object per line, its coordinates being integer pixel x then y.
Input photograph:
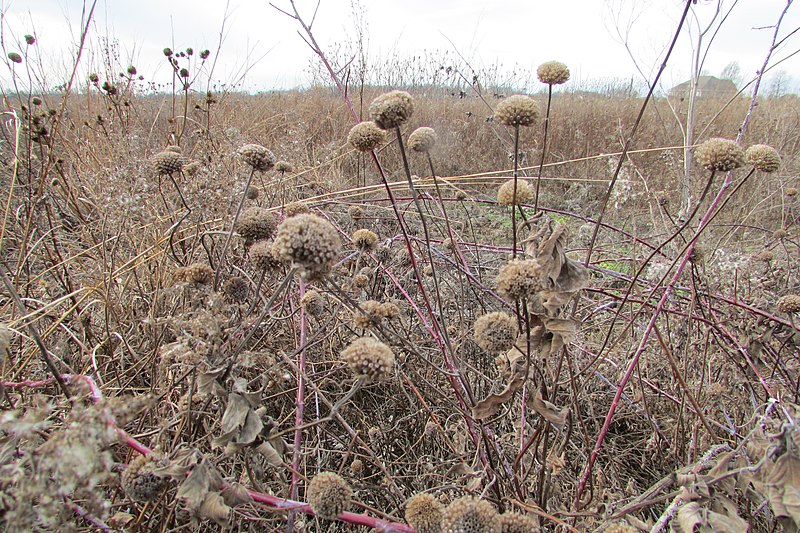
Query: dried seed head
{"type": "Point", "coordinates": [167, 162]}
{"type": "Point", "coordinates": [15, 57]}
{"type": "Point", "coordinates": [255, 224]}
{"type": "Point", "coordinates": [139, 481]}
{"type": "Point", "coordinates": [365, 240]}
{"type": "Point", "coordinates": [370, 358]}
{"type": "Point", "coordinates": [517, 110]}
{"type": "Point", "coordinates": [329, 495]}
{"type": "Point", "coordinates": [496, 332]}
{"type": "Point", "coordinates": [198, 273]}
{"type": "Point", "coordinates": [470, 515]}
{"type": "Point", "coordinates": [719, 154]}
{"type": "Point", "coordinates": [791, 191]}
{"type": "Point", "coordinates": [552, 73]}
{"type": "Point", "coordinates": [355, 212]}
{"type": "Point", "coordinates": [389, 310]}
{"type": "Point", "coordinates": [763, 157]}
{"type": "Point", "coordinates": [505, 194]}
{"type": "Point", "coordinates": [310, 242]}
{"type": "Point", "coordinates": [191, 168]}
{"type": "Point", "coordinates": [424, 513]}
{"type": "Point", "coordinates": [461, 195]}
{"type": "Point", "coordinates": [518, 279]}
{"type": "Point", "coordinates": [258, 157]}
{"type": "Point", "coordinates": [517, 523]}
{"type": "Point", "coordinates": [789, 304]}
{"type": "Point", "coordinates": [360, 281]}
{"type": "Point", "coordinates": [392, 109]}
{"type": "Point", "coordinates": [261, 256]}
{"type": "Point", "coordinates": [780, 233]}
{"type": "Point", "coordinates": [357, 466]}
{"type": "Point", "coordinates": [765, 256]}
{"type": "Point", "coordinates": [422, 139]}
{"type": "Point", "coordinates": [295, 208]}
{"type": "Point", "coordinates": [252, 193]}
{"type": "Point", "coordinates": [369, 312]}
{"type": "Point", "coordinates": [313, 303]}
{"type": "Point", "coordinates": [283, 166]}
{"type": "Point", "coordinates": [619, 527]}
{"type": "Point", "coordinates": [235, 289]}
{"type": "Point", "coordinates": [366, 136]}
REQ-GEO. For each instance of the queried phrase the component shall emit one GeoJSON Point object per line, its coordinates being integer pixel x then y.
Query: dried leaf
{"type": "Point", "coordinates": [270, 454]}
{"type": "Point", "coordinates": [689, 516]}
{"type": "Point", "coordinates": [120, 520]}
{"type": "Point", "coordinates": [236, 494]}
{"type": "Point", "coordinates": [491, 404]}
{"type": "Point", "coordinates": [207, 382]}
{"type": "Point", "coordinates": [202, 479]}
{"type": "Point", "coordinates": [562, 327]}
{"type": "Point", "coordinates": [551, 413]}
{"type": "Point", "coordinates": [214, 508]}
{"type": "Point", "coordinates": [783, 487]}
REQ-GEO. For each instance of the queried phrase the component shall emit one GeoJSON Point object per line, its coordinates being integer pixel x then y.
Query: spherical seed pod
{"type": "Point", "coordinates": [505, 194]}
{"type": "Point", "coordinates": [253, 193]}
{"type": "Point", "coordinates": [313, 303]}
{"type": "Point", "coordinates": [369, 358]}
{"type": "Point", "coordinates": [261, 256]}
{"type": "Point", "coordinates": [552, 73]}
{"type": "Point", "coordinates": [198, 273]}
{"type": "Point", "coordinates": [422, 139]}
{"type": "Point", "coordinates": [329, 495]}
{"type": "Point", "coordinates": [389, 310]}
{"type": "Point", "coordinates": [255, 224]}
{"type": "Point", "coordinates": [496, 332]}
{"type": "Point", "coordinates": [30, 40]}
{"type": "Point", "coordinates": [140, 483]}
{"type": "Point", "coordinates": [355, 212]}
{"type": "Point", "coordinates": [517, 523]}
{"type": "Point", "coordinates": [517, 110]}
{"type": "Point", "coordinates": [360, 281]}
{"type": "Point", "coordinates": [369, 312]}
{"type": "Point", "coordinates": [365, 240]}
{"type": "Point", "coordinates": [257, 157]}
{"type": "Point", "coordinates": [719, 154]}
{"type": "Point", "coordinates": [357, 466]}
{"type": "Point", "coordinates": [765, 256]}
{"type": "Point", "coordinates": [167, 162]}
{"type": "Point", "coordinates": [789, 303]}
{"type": "Point", "coordinates": [283, 166]}
{"type": "Point", "coordinates": [424, 513]}
{"type": "Point", "coordinates": [295, 208]}
{"type": "Point", "coordinates": [763, 157]}
{"type": "Point", "coordinates": [310, 242]}
{"type": "Point", "coordinates": [470, 515]}
{"type": "Point", "coordinates": [392, 109]}
{"type": "Point", "coordinates": [235, 289]}
{"type": "Point", "coordinates": [518, 279]}
{"type": "Point", "coordinates": [780, 233]}
{"type": "Point", "coordinates": [366, 136]}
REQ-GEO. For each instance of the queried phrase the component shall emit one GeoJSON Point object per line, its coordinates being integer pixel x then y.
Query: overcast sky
{"type": "Point", "coordinates": [587, 35]}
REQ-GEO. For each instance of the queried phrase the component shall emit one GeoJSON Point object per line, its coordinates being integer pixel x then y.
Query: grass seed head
{"type": "Point", "coordinates": [763, 157]}
{"type": "Point", "coordinates": [789, 303]}
{"type": "Point", "coordinates": [496, 332]}
{"type": "Point", "coordinates": [517, 110]}
{"type": "Point", "coordinates": [366, 136]}
{"type": "Point", "coordinates": [391, 110]}
{"type": "Point", "coordinates": [505, 194]}
{"type": "Point", "coordinates": [329, 495]}
{"type": "Point", "coordinates": [256, 223]}
{"type": "Point", "coordinates": [552, 73]}
{"type": "Point", "coordinates": [720, 154]}
{"type": "Point", "coordinates": [257, 157]}
{"type": "Point", "coordinates": [370, 358]}
{"type": "Point", "coordinates": [424, 513]}
{"type": "Point", "coordinates": [310, 242]}
{"type": "Point", "coordinates": [470, 515]}
{"type": "Point", "coordinates": [365, 240]}
{"type": "Point", "coordinates": [167, 162]}
{"type": "Point", "coordinates": [422, 139]}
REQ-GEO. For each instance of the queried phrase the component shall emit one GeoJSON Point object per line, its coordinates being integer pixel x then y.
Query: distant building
{"type": "Point", "coordinates": [707, 87]}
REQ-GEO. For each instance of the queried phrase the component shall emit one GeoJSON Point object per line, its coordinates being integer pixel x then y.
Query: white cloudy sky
{"type": "Point", "coordinates": [264, 42]}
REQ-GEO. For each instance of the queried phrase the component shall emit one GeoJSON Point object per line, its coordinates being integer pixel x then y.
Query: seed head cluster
{"type": "Point", "coordinates": [505, 194]}
{"type": "Point", "coordinates": [517, 110]}
{"type": "Point", "coordinates": [310, 242]}
{"type": "Point", "coordinates": [424, 513]}
{"type": "Point", "coordinates": [366, 136]}
{"type": "Point", "coordinates": [198, 273]}
{"type": "Point", "coordinates": [167, 162]}
{"type": "Point", "coordinates": [763, 157]}
{"type": "Point", "coordinates": [295, 208]}
{"type": "Point", "coordinates": [329, 495]}
{"type": "Point", "coordinates": [372, 311]}
{"type": "Point", "coordinates": [789, 303]}
{"type": "Point", "coordinates": [517, 523]}
{"type": "Point", "coordinates": [284, 166]}
{"type": "Point", "coordinates": [470, 515]}
{"type": "Point", "coordinates": [496, 332]}
{"type": "Point", "coordinates": [257, 157]}
{"type": "Point", "coordinates": [719, 154]}
{"type": "Point", "coordinates": [370, 358]}
{"type": "Point", "coordinates": [391, 110]}
{"type": "Point", "coordinates": [235, 289]}
{"type": "Point", "coordinates": [422, 139]}
{"type": "Point", "coordinates": [518, 279]}
{"type": "Point", "coordinates": [552, 73]}
{"type": "Point", "coordinates": [139, 481]}
{"type": "Point", "coordinates": [313, 303]}
{"type": "Point", "coordinates": [365, 240]}
{"type": "Point", "coordinates": [255, 224]}
{"type": "Point", "coordinates": [261, 256]}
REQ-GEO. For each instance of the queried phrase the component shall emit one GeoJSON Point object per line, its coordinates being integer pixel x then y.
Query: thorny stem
{"type": "Point", "coordinates": [218, 273]}
{"type": "Point", "coordinates": [544, 148]}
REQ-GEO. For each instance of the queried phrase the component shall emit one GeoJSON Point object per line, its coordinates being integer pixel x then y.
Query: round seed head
{"type": "Point", "coordinates": [191, 168]}
{"type": "Point", "coordinates": [295, 208]}
{"type": "Point", "coordinates": [15, 57]}
{"type": "Point", "coordinates": [517, 110]}
{"type": "Point", "coordinates": [619, 527]}
{"type": "Point", "coordinates": [552, 73]}
{"type": "Point", "coordinates": [518, 279]}
{"type": "Point", "coordinates": [789, 304]}
{"type": "Point", "coordinates": [329, 495]}
{"type": "Point", "coordinates": [424, 513]}
{"type": "Point", "coordinates": [167, 162]}
{"type": "Point", "coordinates": [255, 224]}
{"type": "Point", "coordinates": [719, 154]}
{"type": "Point", "coordinates": [780, 233]}
{"type": "Point", "coordinates": [470, 515]}
{"type": "Point", "coordinates": [495, 332]}
{"type": "Point", "coordinates": [198, 273]}
{"type": "Point", "coordinates": [517, 523]}
{"type": "Point", "coordinates": [422, 139]}
{"type": "Point", "coordinates": [357, 466]}
{"type": "Point", "coordinates": [261, 255]}
{"type": "Point", "coordinates": [505, 194]}
{"type": "Point", "coordinates": [252, 193]}
{"type": "Point", "coordinates": [283, 166]}
{"type": "Point", "coordinates": [370, 358]}
{"type": "Point", "coordinates": [791, 191]}
{"type": "Point", "coordinates": [763, 157]}
{"type": "Point", "coordinates": [235, 289]}
{"type": "Point", "coordinates": [392, 109]}
{"type": "Point", "coordinates": [139, 481]}
{"type": "Point", "coordinates": [355, 212]}
{"type": "Point", "coordinates": [360, 281]}
{"type": "Point", "coordinates": [365, 239]}
{"type": "Point", "coordinates": [461, 195]}
{"type": "Point", "coordinates": [389, 310]}
{"type": "Point", "coordinates": [313, 303]}
{"type": "Point", "coordinates": [258, 157]}
{"type": "Point", "coordinates": [310, 242]}
{"type": "Point", "coordinates": [366, 136]}
{"type": "Point", "coordinates": [370, 312]}
{"type": "Point", "coordinates": [30, 40]}
{"type": "Point", "coordinates": [765, 256]}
